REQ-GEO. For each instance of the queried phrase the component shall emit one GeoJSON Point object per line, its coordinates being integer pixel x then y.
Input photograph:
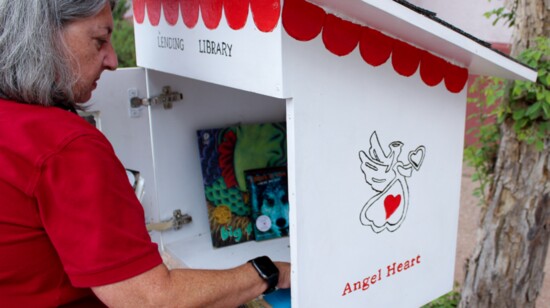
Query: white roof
{"type": "Point", "coordinates": [399, 21]}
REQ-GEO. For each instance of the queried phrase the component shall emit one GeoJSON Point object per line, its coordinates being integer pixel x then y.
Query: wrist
{"type": "Point", "coordinates": [267, 270]}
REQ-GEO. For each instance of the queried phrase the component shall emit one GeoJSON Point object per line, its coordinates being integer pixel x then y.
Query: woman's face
{"type": "Point", "coordinates": [89, 43]}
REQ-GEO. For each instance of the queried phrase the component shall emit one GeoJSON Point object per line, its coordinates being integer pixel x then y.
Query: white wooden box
{"type": "Point", "coordinates": [359, 83]}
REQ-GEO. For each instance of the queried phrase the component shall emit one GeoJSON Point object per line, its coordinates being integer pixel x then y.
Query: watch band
{"type": "Point", "coordinates": [267, 271]}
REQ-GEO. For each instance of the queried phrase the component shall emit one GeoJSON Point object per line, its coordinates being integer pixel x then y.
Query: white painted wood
{"type": "Point", "coordinates": [175, 164]}
{"type": "Point", "coordinates": [402, 23]}
{"type": "Point", "coordinates": [129, 136]}
{"type": "Point", "coordinates": [468, 16]}
{"type": "Point", "coordinates": [176, 154]}
{"type": "Point", "coordinates": [254, 63]}
{"type": "Point", "coordinates": [334, 111]}
{"type": "Point", "coordinates": [258, 54]}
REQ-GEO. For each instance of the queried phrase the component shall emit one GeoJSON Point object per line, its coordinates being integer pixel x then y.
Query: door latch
{"type": "Point", "coordinates": [166, 98]}
{"type": "Point", "coordinates": [175, 223]}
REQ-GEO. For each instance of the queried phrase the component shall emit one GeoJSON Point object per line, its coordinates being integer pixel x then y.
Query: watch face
{"type": "Point", "coordinates": [266, 266]}
{"type": "Point", "coordinates": [268, 271]}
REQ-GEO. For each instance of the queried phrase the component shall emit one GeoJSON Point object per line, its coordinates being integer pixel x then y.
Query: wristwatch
{"type": "Point", "coordinates": [267, 271]}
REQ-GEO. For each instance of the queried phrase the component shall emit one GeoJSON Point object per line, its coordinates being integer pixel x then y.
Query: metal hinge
{"type": "Point", "coordinates": [181, 219]}
{"type": "Point", "coordinates": [176, 222]}
{"type": "Point", "coordinates": [166, 98]}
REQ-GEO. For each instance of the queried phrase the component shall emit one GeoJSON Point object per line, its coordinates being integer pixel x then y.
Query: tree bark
{"type": "Point", "coordinates": [531, 22]}
{"type": "Point", "coordinates": [506, 268]}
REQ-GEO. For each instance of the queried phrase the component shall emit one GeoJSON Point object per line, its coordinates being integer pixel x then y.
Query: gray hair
{"type": "Point", "coordinates": [34, 61]}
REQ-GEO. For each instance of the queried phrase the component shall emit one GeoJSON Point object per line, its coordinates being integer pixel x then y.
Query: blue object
{"type": "Point", "coordinates": [279, 298]}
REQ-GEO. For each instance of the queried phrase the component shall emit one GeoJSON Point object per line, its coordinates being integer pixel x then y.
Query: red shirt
{"type": "Point", "coordinates": [69, 219]}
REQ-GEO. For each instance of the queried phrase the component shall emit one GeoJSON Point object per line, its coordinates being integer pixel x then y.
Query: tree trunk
{"type": "Point", "coordinates": [531, 22]}
{"type": "Point", "coordinates": [506, 268]}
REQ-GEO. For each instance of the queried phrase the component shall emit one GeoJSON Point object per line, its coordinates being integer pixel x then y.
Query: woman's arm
{"type": "Point", "coordinates": [160, 287]}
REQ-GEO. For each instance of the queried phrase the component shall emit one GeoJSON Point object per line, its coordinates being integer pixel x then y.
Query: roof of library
{"type": "Point", "coordinates": [414, 37]}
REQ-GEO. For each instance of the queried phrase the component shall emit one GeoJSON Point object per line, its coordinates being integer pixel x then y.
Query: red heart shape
{"type": "Point", "coordinates": [391, 203]}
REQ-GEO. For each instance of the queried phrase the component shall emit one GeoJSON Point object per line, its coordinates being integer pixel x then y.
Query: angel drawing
{"type": "Point", "coordinates": [387, 175]}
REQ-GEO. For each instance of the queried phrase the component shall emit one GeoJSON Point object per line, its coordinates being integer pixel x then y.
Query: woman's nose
{"type": "Point", "coordinates": [111, 61]}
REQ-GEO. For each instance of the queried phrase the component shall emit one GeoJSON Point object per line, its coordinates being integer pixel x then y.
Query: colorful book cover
{"type": "Point", "coordinates": [268, 193]}
{"type": "Point", "coordinates": [278, 299]}
{"type": "Point", "coordinates": [225, 154]}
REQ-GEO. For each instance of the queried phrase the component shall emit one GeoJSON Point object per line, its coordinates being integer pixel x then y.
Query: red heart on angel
{"type": "Point", "coordinates": [391, 203]}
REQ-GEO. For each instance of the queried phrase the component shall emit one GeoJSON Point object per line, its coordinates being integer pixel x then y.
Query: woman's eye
{"type": "Point", "coordinates": [100, 42]}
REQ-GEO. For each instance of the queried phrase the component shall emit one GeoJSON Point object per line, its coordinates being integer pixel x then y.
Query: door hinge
{"type": "Point", "coordinates": [166, 98]}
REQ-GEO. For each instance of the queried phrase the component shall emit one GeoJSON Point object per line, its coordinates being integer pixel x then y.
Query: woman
{"type": "Point", "coordinates": [72, 230]}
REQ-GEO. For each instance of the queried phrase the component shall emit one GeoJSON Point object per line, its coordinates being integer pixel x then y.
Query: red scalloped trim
{"type": "Point", "coordinates": [153, 11]}
{"type": "Point", "coordinates": [170, 8]}
{"type": "Point", "coordinates": [455, 78]}
{"type": "Point", "coordinates": [304, 21]}
{"type": "Point", "coordinates": [236, 13]}
{"type": "Point", "coordinates": [211, 12]}
{"type": "Point", "coordinates": [266, 14]}
{"type": "Point", "coordinates": [405, 58]}
{"type": "Point", "coordinates": [375, 47]}
{"type": "Point", "coordinates": [340, 36]}
{"type": "Point", "coordinates": [139, 10]}
{"type": "Point", "coordinates": [431, 69]}
{"type": "Point", "coordinates": [190, 12]}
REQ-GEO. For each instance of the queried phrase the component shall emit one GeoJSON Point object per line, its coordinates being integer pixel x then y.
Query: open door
{"type": "Point", "coordinates": [127, 128]}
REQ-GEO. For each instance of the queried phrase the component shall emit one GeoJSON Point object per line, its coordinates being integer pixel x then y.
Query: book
{"type": "Point", "coordinates": [278, 299]}
{"type": "Point", "coordinates": [268, 197]}
{"type": "Point", "coordinates": [225, 153]}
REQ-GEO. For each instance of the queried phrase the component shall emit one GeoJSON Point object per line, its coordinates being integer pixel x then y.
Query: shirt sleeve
{"type": "Point", "coordinates": [91, 214]}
